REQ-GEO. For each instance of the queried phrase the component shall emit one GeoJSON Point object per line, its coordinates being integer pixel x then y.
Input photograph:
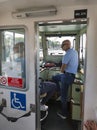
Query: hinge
{"type": "Point", "coordinates": [33, 108]}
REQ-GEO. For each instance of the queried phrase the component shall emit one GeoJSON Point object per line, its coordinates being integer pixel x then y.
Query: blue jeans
{"type": "Point", "coordinates": [65, 79]}
{"type": "Point", "coordinates": [49, 88]}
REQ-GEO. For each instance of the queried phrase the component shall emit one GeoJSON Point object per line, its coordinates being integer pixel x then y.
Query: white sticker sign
{"type": "Point", "coordinates": [3, 80]}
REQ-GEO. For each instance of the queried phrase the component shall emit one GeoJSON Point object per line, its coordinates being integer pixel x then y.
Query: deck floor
{"type": "Point", "coordinates": [54, 122]}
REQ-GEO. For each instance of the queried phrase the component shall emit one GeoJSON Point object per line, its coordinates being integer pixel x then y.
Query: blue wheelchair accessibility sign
{"type": "Point", "coordinates": [18, 101]}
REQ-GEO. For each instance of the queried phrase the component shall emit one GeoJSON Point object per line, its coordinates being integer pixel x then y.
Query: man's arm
{"type": "Point", "coordinates": [63, 68]}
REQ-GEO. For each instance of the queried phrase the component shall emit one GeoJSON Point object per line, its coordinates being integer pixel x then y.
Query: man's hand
{"type": "Point", "coordinates": [63, 68]}
{"type": "Point", "coordinates": [90, 125]}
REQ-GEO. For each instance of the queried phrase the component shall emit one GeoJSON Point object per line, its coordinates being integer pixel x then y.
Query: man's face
{"type": "Point", "coordinates": [16, 49]}
{"type": "Point", "coordinates": [66, 46]}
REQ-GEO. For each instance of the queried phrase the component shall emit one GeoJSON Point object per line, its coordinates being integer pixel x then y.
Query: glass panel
{"type": "Point", "coordinates": [54, 44]}
{"type": "Point", "coordinates": [82, 47]}
{"type": "Point", "coordinates": [12, 55]}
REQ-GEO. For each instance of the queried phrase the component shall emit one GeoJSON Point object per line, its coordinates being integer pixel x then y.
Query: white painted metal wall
{"type": "Point", "coordinates": [90, 103]}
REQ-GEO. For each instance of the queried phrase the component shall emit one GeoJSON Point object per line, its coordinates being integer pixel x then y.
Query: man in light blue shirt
{"type": "Point", "coordinates": [68, 69]}
{"type": "Point", "coordinates": [70, 60]}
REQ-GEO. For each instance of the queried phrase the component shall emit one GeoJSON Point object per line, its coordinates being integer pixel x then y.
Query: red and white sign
{"type": "Point", "coordinates": [3, 80]}
{"type": "Point", "coordinates": [15, 82]}
{"type": "Point", "coordinates": [11, 81]}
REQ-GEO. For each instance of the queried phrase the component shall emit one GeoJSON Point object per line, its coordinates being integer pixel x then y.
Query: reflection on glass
{"type": "Point", "coordinates": [12, 54]}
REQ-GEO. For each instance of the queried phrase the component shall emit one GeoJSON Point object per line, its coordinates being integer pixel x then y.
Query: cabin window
{"type": "Point", "coordinates": [82, 48]}
{"type": "Point", "coordinates": [54, 44]}
{"type": "Point", "coordinates": [12, 58]}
